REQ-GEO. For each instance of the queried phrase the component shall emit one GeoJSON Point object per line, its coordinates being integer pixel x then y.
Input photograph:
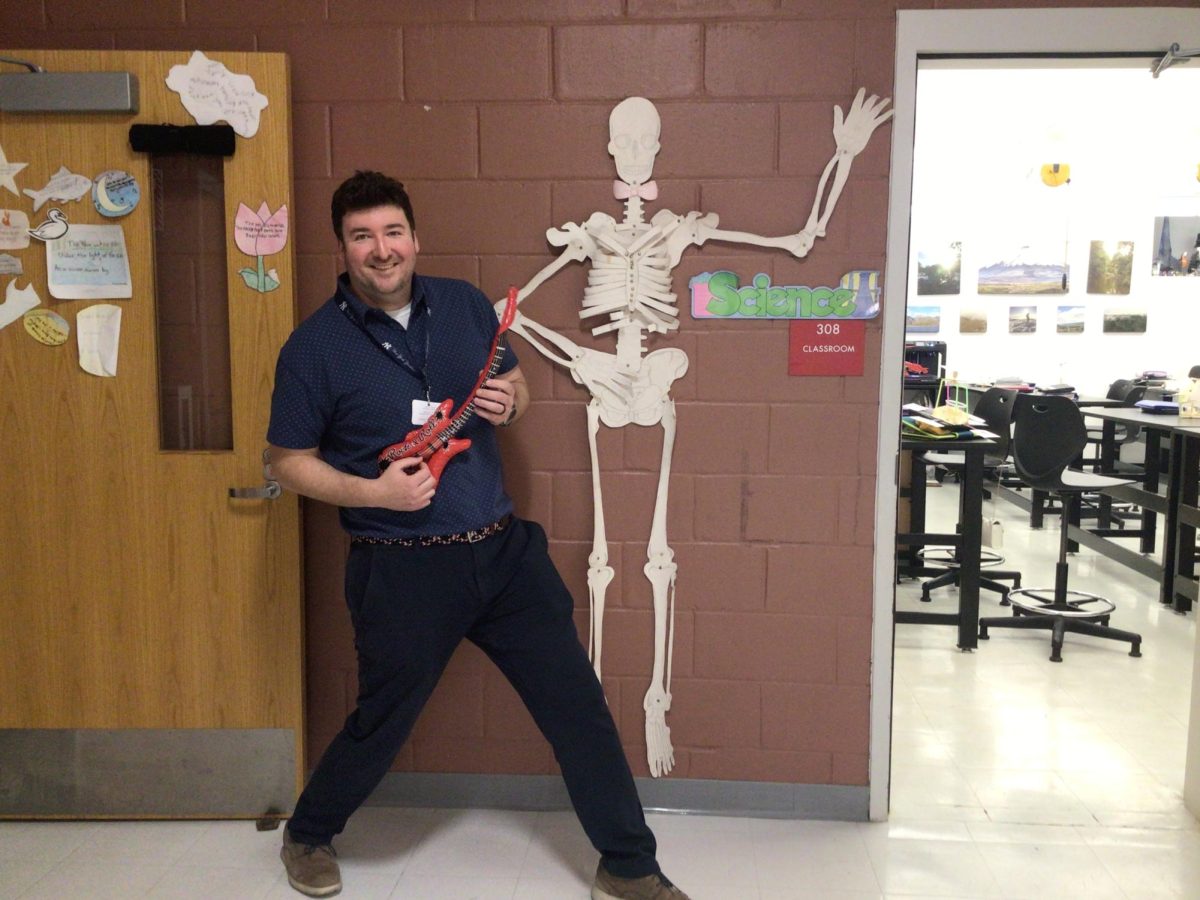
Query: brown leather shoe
{"type": "Point", "coordinates": [649, 887]}
{"type": "Point", "coordinates": [312, 869]}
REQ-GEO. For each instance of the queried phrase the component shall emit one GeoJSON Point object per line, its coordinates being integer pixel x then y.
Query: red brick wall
{"type": "Point", "coordinates": [495, 114]}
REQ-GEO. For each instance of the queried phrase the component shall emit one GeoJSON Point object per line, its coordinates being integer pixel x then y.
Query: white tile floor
{"type": "Point", "coordinates": [1013, 778]}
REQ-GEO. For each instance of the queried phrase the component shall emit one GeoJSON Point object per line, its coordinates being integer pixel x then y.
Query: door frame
{"type": "Point", "coordinates": [919, 33]}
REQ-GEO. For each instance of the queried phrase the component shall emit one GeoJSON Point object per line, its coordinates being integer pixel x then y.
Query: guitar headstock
{"type": "Point", "coordinates": [510, 310]}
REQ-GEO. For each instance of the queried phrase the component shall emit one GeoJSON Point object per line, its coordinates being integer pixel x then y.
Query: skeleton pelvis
{"type": "Point", "coordinates": [644, 402]}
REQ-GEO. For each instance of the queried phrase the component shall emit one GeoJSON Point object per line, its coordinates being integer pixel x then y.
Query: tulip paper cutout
{"type": "Point", "coordinates": [260, 234]}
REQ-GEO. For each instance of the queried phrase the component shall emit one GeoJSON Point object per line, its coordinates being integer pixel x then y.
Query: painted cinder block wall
{"type": "Point", "coordinates": [495, 115]}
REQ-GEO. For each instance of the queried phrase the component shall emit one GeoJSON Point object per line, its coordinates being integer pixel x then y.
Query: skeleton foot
{"type": "Point", "coordinates": [659, 752]}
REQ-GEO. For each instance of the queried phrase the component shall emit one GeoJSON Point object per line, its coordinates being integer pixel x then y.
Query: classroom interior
{"type": "Point", "coordinates": [1000, 737]}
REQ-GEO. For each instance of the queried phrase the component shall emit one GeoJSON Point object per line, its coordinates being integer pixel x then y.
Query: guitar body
{"type": "Point", "coordinates": [430, 442]}
{"type": "Point", "coordinates": [421, 441]}
{"type": "Point", "coordinates": [444, 453]}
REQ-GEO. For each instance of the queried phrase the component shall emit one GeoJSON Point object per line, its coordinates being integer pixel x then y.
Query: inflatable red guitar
{"type": "Point", "coordinates": [435, 441]}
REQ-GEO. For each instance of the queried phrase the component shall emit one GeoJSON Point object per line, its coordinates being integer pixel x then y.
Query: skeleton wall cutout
{"type": "Point", "coordinates": [629, 292]}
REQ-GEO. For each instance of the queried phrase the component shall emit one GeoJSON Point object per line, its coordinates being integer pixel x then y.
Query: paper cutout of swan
{"type": "Point", "coordinates": [53, 228]}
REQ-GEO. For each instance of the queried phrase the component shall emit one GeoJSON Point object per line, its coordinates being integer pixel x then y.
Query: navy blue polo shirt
{"type": "Point", "coordinates": [345, 383]}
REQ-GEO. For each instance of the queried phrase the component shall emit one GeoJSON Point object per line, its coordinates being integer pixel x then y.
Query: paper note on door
{"type": "Point", "coordinates": [210, 92]}
{"type": "Point", "coordinates": [89, 263]}
{"type": "Point", "coordinates": [17, 302]}
{"type": "Point", "coordinates": [98, 331]}
{"type": "Point", "coordinates": [14, 229]}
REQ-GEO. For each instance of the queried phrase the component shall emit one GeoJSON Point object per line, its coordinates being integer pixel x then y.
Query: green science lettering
{"type": "Point", "coordinates": [720, 295]}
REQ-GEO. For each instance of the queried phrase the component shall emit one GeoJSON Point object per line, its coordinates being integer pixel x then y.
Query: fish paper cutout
{"type": "Point", "coordinates": [63, 185]}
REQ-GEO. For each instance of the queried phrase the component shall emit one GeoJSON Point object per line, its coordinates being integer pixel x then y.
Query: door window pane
{"type": "Point", "coordinates": [195, 394]}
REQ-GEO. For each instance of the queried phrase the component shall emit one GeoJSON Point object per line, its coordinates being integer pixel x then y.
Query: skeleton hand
{"type": "Point", "coordinates": [499, 306]}
{"type": "Point", "coordinates": [598, 372]}
{"type": "Point", "coordinates": [852, 133]}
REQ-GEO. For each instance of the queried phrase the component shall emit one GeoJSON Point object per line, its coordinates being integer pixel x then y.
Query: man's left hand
{"type": "Point", "coordinates": [496, 401]}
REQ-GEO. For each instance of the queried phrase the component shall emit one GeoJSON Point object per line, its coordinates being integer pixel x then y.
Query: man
{"type": "Point", "coordinates": [432, 561]}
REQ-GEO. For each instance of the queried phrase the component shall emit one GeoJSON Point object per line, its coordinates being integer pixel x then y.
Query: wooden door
{"type": "Point", "coordinates": [150, 624]}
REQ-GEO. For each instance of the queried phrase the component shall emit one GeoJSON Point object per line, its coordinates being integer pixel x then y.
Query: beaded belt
{"type": "Point", "coordinates": [435, 540]}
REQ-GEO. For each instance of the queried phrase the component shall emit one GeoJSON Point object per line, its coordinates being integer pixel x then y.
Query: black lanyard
{"type": "Point", "coordinates": [391, 348]}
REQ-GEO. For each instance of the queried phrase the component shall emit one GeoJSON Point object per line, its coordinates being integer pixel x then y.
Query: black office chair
{"type": "Point", "coordinates": [994, 407]}
{"type": "Point", "coordinates": [1128, 394]}
{"type": "Point", "coordinates": [1048, 435]}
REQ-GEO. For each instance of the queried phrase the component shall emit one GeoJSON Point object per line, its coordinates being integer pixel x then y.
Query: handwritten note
{"type": "Point", "coordinates": [89, 263]}
{"type": "Point", "coordinates": [98, 331]}
{"type": "Point", "coordinates": [47, 327]}
{"type": "Point", "coordinates": [210, 92]}
{"type": "Point", "coordinates": [14, 229]}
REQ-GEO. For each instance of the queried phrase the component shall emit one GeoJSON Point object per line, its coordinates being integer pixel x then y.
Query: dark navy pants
{"type": "Point", "coordinates": [411, 606]}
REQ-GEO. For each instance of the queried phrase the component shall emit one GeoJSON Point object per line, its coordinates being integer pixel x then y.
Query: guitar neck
{"type": "Point", "coordinates": [467, 410]}
{"type": "Point", "coordinates": [495, 356]}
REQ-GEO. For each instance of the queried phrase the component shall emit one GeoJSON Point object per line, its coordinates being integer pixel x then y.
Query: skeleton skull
{"type": "Point", "coordinates": [633, 129]}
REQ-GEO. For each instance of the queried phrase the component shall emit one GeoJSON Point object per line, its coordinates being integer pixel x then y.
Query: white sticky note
{"type": "Point", "coordinates": [98, 331]}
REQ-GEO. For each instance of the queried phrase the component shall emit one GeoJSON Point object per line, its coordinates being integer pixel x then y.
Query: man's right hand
{"type": "Point", "coordinates": [405, 485]}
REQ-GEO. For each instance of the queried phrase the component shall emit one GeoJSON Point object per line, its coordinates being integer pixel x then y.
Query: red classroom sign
{"type": "Point", "coordinates": [817, 347]}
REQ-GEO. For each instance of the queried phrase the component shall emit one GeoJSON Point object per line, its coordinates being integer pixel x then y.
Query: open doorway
{"type": "Point", "coordinates": [923, 35]}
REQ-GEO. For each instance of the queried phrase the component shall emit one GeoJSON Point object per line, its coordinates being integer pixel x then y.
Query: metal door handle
{"type": "Point", "coordinates": [270, 489]}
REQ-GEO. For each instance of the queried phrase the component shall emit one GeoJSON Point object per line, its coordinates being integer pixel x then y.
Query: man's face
{"type": "Point", "coordinates": [380, 249]}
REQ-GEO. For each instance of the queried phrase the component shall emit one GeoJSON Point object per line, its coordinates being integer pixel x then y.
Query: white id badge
{"type": "Point", "coordinates": [422, 410]}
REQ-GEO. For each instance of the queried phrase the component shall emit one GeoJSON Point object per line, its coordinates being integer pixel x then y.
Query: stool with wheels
{"type": "Point", "coordinates": [1048, 435]}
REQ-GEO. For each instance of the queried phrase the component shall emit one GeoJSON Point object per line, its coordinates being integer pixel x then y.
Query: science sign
{"type": "Point", "coordinates": [720, 295]}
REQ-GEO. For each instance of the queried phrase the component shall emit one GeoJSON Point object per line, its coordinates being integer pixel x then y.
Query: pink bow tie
{"type": "Point", "coordinates": [647, 191]}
